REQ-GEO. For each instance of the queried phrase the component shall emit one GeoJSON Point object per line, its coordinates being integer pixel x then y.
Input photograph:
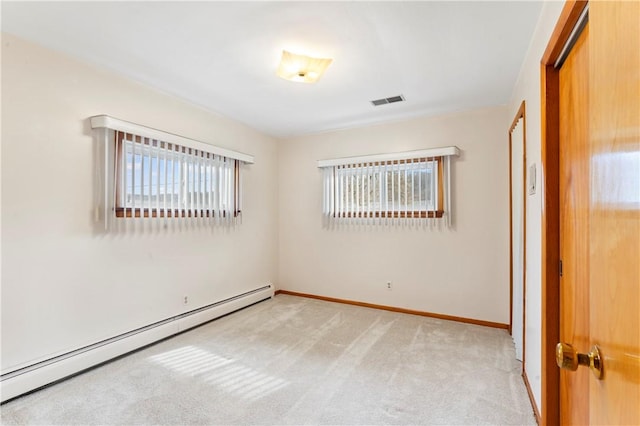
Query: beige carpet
{"type": "Point", "coordinates": [292, 360]}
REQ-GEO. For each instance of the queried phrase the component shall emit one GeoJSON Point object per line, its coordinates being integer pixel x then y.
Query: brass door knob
{"type": "Point", "coordinates": [567, 358]}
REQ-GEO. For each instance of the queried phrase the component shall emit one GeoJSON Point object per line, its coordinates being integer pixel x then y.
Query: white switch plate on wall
{"type": "Point", "coordinates": [532, 179]}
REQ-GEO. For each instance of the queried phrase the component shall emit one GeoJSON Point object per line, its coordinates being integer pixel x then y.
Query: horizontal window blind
{"type": "Point", "coordinates": [388, 189]}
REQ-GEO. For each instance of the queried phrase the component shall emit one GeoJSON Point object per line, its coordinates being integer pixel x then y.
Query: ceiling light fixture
{"type": "Point", "coordinates": [301, 68]}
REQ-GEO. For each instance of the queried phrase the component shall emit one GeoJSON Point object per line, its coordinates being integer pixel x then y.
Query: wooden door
{"type": "Point", "coordinates": [614, 228]}
{"type": "Point", "coordinates": [599, 178]}
{"type": "Point", "coordinates": [574, 221]}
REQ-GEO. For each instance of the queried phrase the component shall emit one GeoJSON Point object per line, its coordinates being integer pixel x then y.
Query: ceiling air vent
{"type": "Point", "coordinates": [392, 99]}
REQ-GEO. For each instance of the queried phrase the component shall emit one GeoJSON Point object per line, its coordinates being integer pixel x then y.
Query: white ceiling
{"type": "Point", "coordinates": [442, 56]}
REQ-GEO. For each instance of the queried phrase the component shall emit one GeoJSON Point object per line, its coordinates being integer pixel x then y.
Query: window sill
{"type": "Point", "coordinates": [137, 213]}
{"type": "Point", "coordinates": [392, 215]}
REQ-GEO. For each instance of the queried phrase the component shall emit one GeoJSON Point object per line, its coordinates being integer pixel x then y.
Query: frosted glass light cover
{"type": "Point", "coordinates": [302, 68]}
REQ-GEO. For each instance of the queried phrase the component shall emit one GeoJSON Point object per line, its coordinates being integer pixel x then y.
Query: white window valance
{"type": "Point", "coordinates": [107, 122]}
{"type": "Point", "coordinates": [406, 155]}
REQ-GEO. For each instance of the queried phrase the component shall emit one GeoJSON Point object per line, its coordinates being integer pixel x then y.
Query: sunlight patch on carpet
{"type": "Point", "coordinates": [245, 382]}
{"type": "Point", "coordinates": [230, 377]}
{"type": "Point", "coordinates": [190, 360]}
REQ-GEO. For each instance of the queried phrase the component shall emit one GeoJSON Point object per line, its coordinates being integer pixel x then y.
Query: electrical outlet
{"type": "Point", "coordinates": [186, 300]}
{"type": "Point", "coordinates": [389, 285]}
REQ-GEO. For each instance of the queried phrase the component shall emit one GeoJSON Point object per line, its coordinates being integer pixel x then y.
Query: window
{"type": "Point", "coordinates": [395, 186]}
{"type": "Point", "coordinates": [149, 174]}
{"type": "Point", "coordinates": [160, 179]}
{"type": "Point", "coordinates": [403, 188]}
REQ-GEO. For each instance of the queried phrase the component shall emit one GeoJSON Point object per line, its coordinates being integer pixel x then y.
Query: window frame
{"type": "Point", "coordinates": [122, 210]}
{"type": "Point", "coordinates": [405, 213]}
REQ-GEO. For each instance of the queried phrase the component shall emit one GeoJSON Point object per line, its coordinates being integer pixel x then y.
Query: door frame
{"type": "Point", "coordinates": [550, 144]}
{"type": "Point", "coordinates": [519, 115]}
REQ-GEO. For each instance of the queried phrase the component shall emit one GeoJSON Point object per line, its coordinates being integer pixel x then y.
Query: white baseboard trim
{"type": "Point", "coordinates": [32, 377]}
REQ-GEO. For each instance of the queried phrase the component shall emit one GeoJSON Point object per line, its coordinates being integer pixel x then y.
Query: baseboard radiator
{"type": "Point", "coordinates": [25, 379]}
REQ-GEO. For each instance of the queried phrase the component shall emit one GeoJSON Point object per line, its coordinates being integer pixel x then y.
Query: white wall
{"type": "Point", "coordinates": [461, 272]}
{"type": "Point", "coordinates": [528, 88]}
{"type": "Point", "coordinates": [63, 287]}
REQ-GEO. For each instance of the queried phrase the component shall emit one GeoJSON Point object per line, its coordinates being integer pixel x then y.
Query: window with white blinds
{"type": "Point", "coordinates": [411, 187]}
{"type": "Point", "coordinates": [161, 179]}
{"type": "Point", "coordinates": [150, 175]}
